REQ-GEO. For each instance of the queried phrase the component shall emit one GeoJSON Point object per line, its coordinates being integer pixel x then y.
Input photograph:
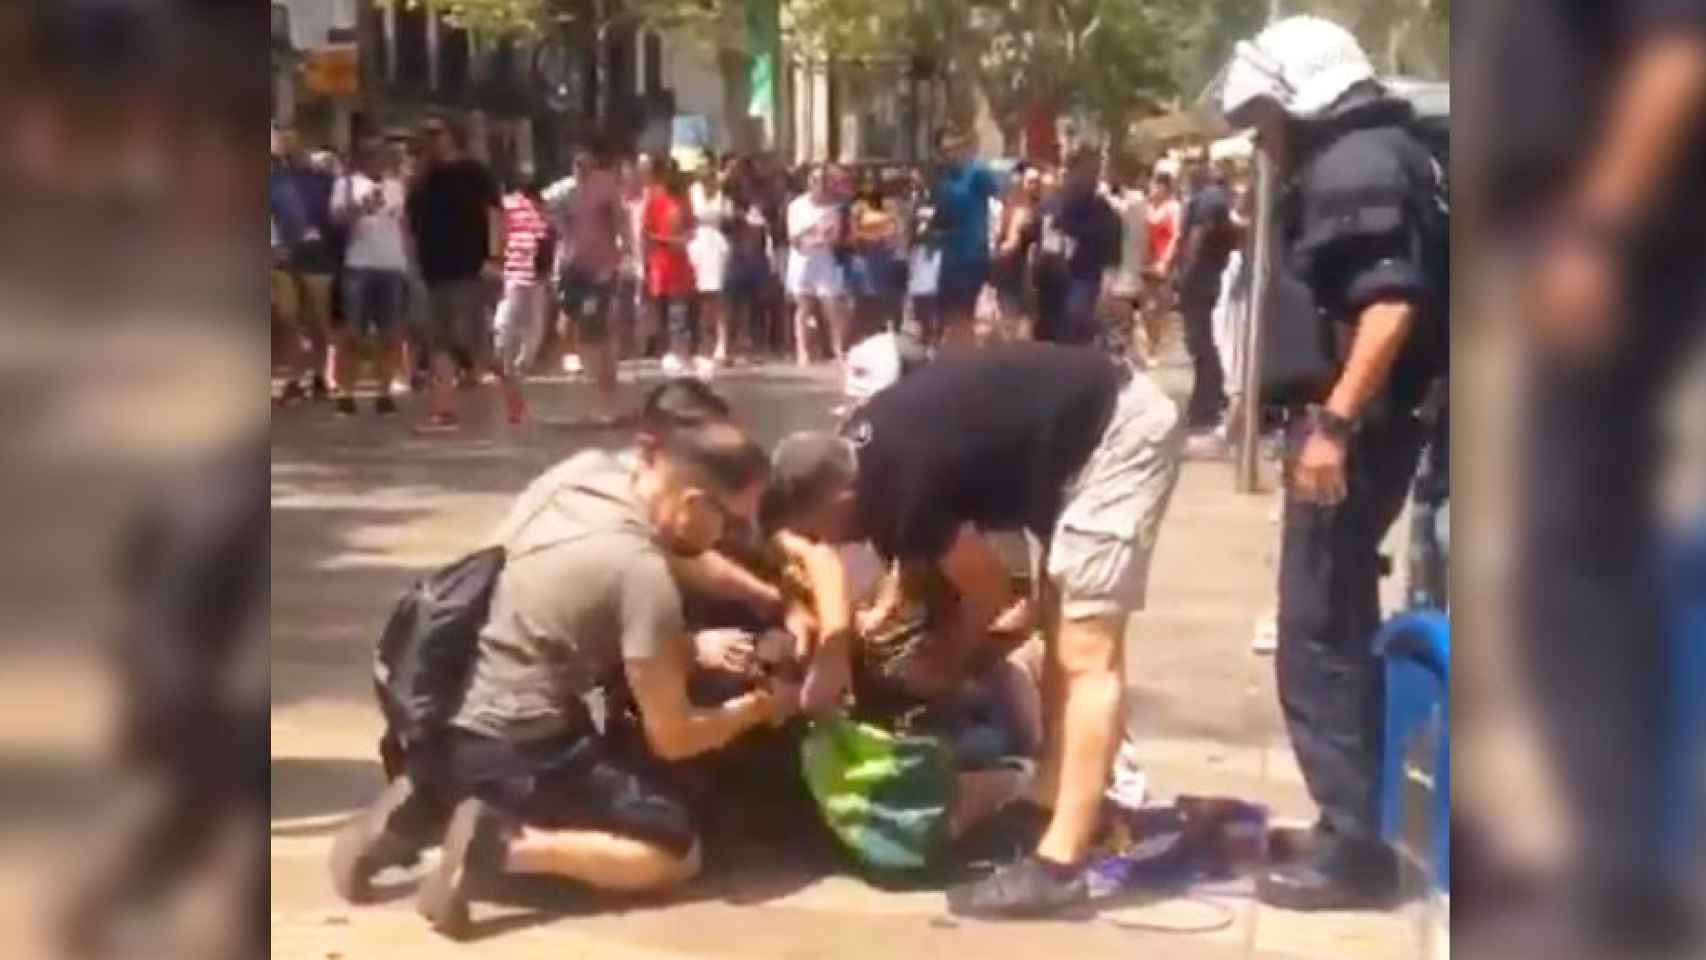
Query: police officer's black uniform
{"type": "Point", "coordinates": [1355, 228]}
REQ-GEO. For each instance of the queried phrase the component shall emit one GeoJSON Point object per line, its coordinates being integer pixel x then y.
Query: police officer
{"type": "Point", "coordinates": [1357, 221]}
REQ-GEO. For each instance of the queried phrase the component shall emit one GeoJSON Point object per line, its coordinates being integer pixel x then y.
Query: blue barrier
{"type": "Point", "coordinates": [1416, 647]}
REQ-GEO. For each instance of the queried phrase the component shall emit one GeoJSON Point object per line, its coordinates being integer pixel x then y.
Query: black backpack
{"type": "Point", "coordinates": [422, 663]}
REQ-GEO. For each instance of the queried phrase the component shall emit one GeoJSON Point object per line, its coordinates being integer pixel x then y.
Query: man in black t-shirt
{"type": "Point", "coordinates": [456, 222]}
{"type": "Point", "coordinates": [1080, 240]}
{"type": "Point", "coordinates": [1208, 242]}
{"type": "Point", "coordinates": [1065, 443]}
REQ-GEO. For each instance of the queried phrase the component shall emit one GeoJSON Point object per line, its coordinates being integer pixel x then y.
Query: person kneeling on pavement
{"type": "Point", "coordinates": [586, 601]}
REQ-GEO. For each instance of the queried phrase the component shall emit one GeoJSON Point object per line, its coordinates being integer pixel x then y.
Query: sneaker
{"type": "Point", "coordinates": [439, 423]}
{"type": "Point", "coordinates": [401, 385]}
{"type": "Point", "coordinates": [705, 368]}
{"type": "Point", "coordinates": [320, 391]}
{"type": "Point", "coordinates": [345, 407]}
{"type": "Point", "coordinates": [368, 844]}
{"type": "Point", "coordinates": [385, 406]}
{"type": "Point", "coordinates": [671, 365]}
{"type": "Point", "coordinates": [293, 394]}
{"type": "Point", "coordinates": [474, 849]}
{"type": "Point", "coordinates": [1025, 889]}
{"type": "Point", "coordinates": [572, 364]}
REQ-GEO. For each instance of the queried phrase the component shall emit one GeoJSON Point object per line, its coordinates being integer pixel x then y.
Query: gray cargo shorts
{"type": "Point", "coordinates": [1099, 553]}
{"type": "Point", "coordinates": [457, 319]}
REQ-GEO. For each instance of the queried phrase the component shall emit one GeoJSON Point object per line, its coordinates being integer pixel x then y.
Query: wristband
{"type": "Point", "coordinates": [1330, 425]}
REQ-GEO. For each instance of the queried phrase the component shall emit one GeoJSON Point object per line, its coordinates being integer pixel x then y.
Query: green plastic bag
{"type": "Point", "coordinates": [885, 796]}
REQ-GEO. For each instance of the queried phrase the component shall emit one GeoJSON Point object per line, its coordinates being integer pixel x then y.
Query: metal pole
{"type": "Point", "coordinates": [1261, 256]}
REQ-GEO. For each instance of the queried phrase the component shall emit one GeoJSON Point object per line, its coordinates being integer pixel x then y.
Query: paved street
{"type": "Point", "coordinates": [361, 506]}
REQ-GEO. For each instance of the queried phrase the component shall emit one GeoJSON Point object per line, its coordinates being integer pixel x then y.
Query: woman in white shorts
{"type": "Point", "coordinates": [709, 252]}
{"type": "Point", "coordinates": [814, 274]}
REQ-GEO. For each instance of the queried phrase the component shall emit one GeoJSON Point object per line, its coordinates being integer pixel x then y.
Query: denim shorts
{"type": "Point", "coordinates": [961, 283]}
{"type": "Point", "coordinates": [374, 300]}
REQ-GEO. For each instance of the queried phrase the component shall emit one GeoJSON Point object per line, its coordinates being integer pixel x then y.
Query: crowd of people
{"type": "Point", "coordinates": [414, 254]}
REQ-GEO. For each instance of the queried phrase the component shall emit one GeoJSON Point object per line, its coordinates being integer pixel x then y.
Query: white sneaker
{"type": "Point", "coordinates": [705, 368]}
{"type": "Point", "coordinates": [572, 364]}
{"type": "Point", "coordinates": [671, 365]}
{"type": "Point", "coordinates": [1266, 637]}
{"type": "Point", "coordinates": [400, 385]}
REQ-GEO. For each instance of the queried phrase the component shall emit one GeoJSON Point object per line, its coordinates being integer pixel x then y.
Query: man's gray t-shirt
{"type": "Point", "coordinates": [584, 588]}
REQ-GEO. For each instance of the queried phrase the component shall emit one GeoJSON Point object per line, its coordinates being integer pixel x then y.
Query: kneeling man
{"type": "Point", "coordinates": [587, 599]}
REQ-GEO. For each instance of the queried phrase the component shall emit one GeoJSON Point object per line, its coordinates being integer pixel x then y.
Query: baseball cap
{"type": "Point", "coordinates": [1303, 64]}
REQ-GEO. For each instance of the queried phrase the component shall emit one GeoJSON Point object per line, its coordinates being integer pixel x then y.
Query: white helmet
{"type": "Point", "coordinates": [1303, 64]}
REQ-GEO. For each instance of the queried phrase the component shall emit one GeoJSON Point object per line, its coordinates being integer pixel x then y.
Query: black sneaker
{"type": "Point", "coordinates": [372, 842]}
{"type": "Point", "coordinates": [346, 407]}
{"type": "Point", "coordinates": [1027, 889]}
{"type": "Point", "coordinates": [320, 391]}
{"type": "Point", "coordinates": [385, 406]}
{"type": "Point", "coordinates": [1340, 874]}
{"type": "Point", "coordinates": [474, 848]}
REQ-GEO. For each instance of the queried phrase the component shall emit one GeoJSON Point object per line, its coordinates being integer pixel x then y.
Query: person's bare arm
{"type": "Point", "coordinates": [831, 657]}
{"type": "Point", "coordinates": [1380, 334]}
{"type": "Point", "coordinates": [1318, 475]}
{"type": "Point", "coordinates": [714, 573]}
{"type": "Point", "coordinates": [675, 729]}
{"type": "Point", "coordinates": [980, 576]}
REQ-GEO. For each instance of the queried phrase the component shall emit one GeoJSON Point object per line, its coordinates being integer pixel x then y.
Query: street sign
{"type": "Point", "coordinates": [333, 71]}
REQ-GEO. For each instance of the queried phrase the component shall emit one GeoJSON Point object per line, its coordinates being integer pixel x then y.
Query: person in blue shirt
{"type": "Point", "coordinates": [961, 196]}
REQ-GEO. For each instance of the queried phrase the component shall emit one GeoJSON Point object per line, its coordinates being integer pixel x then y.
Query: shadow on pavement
{"type": "Point", "coordinates": [317, 787]}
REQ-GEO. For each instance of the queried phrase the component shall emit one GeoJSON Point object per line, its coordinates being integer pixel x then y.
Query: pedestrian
{"type": "Point", "coordinates": [1069, 444]}
{"type": "Point", "coordinates": [875, 273]}
{"type": "Point", "coordinates": [1010, 268]}
{"type": "Point", "coordinates": [1125, 279]}
{"type": "Point", "coordinates": [748, 278]}
{"type": "Point", "coordinates": [519, 323]}
{"type": "Point", "coordinates": [962, 193]}
{"type": "Point", "coordinates": [594, 301]}
{"type": "Point", "coordinates": [370, 205]}
{"type": "Point", "coordinates": [456, 214]}
{"type": "Point", "coordinates": [814, 275]}
{"type": "Point", "coordinates": [1364, 249]}
{"type": "Point", "coordinates": [670, 284]}
{"type": "Point", "coordinates": [924, 266]}
{"type": "Point", "coordinates": [709, 253]}
{"type": "Point", "coordinates": [305, 192]}
{"type": "Point", "coordinates": [1165, 214]}
{"type": "Point", "coordinates": [1206, 246]}
{"type": "Point", "coordinates": [1079, 241]}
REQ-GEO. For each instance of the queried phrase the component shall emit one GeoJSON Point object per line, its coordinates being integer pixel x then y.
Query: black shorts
{"type": "Point", "coordinates": [960, 284]}
{"type": "Point", "coordinates": [585, 782]}
{"type": "Point", "coordinates": [588, 301]}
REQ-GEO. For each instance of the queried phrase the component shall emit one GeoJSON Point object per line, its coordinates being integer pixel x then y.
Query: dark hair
{"type": "Point", "coordinates": [717, 455]}
{"type": "Point", "coordinates": [680, 404]}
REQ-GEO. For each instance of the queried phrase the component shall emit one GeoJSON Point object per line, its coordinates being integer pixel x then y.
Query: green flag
{"type": "Point", "coordinates": [763, 30]}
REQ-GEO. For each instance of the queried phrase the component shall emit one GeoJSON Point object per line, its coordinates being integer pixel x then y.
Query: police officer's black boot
{"type": "Point", "coordinates": [1342, 873]}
